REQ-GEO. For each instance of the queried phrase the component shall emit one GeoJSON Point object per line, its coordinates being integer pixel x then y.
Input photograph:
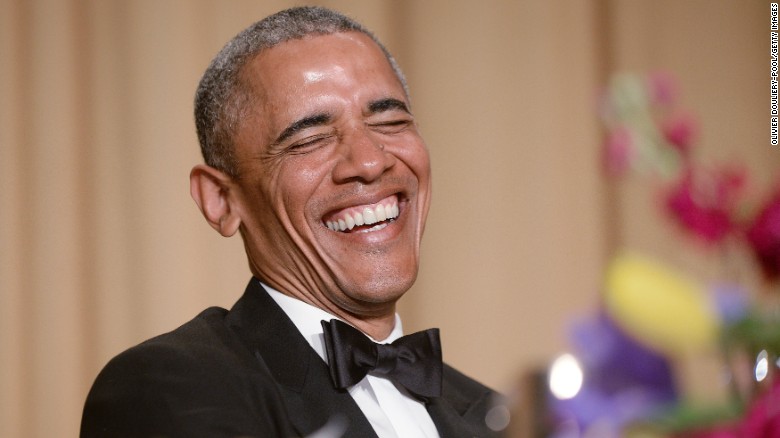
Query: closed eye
{"type": "Point", "coordinates": [390, 126]}
{"type": "Point", "coordinates": [388, 116]}
{"type": "Point", "coordinates": [310, 143]}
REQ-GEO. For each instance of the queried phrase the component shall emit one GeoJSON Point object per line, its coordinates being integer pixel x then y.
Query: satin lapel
{"type": "Point", "coordinates": [461, 410]}
{"type": "Point", "coordinates": [447, 420]}
{"type": "Point", "coordinates": [302, 376]}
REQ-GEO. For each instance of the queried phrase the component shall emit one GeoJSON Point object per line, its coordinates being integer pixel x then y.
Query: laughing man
{"type": "Point", "coordinates": [313, 156]}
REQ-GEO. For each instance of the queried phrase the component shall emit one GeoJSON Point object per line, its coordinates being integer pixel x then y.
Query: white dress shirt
{"type": "Point", "coordinates": [392, 412]}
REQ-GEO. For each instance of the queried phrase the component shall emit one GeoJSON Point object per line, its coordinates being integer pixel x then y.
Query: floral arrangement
{"type": "Point", "coordinates": [650, 312]}
{"type": "Point", "coordinates": [646, 132]}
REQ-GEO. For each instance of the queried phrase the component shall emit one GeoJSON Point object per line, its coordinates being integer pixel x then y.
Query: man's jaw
{"type": "Point", "coordinates": [363, 218]}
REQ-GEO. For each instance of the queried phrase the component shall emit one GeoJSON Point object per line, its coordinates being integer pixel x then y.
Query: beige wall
{"type": "Point", "coordinates": [101, 246]}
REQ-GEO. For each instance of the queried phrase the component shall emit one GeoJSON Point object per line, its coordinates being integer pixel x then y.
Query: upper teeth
{"type": "Point", "coordinates": [367, 217]}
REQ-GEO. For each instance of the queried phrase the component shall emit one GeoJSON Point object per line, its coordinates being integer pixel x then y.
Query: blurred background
{"type": "Point", "coordinates": [101, 246]}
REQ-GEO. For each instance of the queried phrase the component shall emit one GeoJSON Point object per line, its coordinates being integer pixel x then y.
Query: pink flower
{"type": "Point", "coordinates": [762, 419]}
{"type": "Point", "coordinates": [681, 131]}
{"type": "Point", "coordinates": [715, 432]}
{"type": "Point", "coordinates": [704, 203]}
{"type": "Point", "coordinates": [764, 238]}
{"type": "Point", "coordinates": [662, 88]}
{"type": "Point", "coordinates": [618, 151]}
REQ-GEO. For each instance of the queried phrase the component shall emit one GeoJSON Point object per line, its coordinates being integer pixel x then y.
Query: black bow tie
{"type": "Point", "coordinates": [413, 361]}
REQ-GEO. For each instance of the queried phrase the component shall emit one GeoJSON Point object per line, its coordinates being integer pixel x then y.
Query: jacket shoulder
{"type": "Point", "coordinates": [462, 388]}
{"type": "Point", "coordinates": [196, 380]}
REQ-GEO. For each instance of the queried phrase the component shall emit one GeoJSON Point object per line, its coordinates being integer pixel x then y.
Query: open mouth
{"type": "Point", "coordinates": [364, 218]}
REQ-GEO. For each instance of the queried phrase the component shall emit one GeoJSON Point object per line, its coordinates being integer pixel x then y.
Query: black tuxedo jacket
{"type": "Point", "coordinates": [247, 372]}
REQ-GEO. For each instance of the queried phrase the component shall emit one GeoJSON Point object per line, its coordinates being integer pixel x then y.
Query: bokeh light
{"type": "Point", "coordinates": [566, 377]}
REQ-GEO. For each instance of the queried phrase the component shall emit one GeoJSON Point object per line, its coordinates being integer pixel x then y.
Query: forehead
{"type": "Point", "coordinates": [302, 68]}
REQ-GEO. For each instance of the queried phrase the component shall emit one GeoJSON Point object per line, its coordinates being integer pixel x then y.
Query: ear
{"type": "Point", "coordinates": [211, 190]}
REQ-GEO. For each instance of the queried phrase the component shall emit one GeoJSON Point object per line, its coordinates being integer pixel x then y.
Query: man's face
{"type": "Point", "coordinates": [330, 144]}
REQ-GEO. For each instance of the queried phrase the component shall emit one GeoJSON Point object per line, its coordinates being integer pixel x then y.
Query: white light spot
{"type": "Point", "coordinates": [762, 365]}
{"type": "Point", "coordinates": [565, 377]}
{"type": "Point", "coordinates": [497, 418]}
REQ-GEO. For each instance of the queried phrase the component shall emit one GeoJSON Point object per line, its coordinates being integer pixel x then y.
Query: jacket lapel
{"type": "Point", "coordinates": [462, 407]}
{"type": "Point", "coordinates": [447, 420]}
{"type": "Point", "coordinates": [302, 376]}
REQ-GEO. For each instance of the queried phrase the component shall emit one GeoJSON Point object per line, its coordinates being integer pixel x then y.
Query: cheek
{"type": "Point", "coordinates": [309, 176]}
{"type": "Point", "coordinates": [305, 170]}
{"type": "Point", "coordinates": [416, 157]}
{"type": "Point", "coordinates": [299, 181]}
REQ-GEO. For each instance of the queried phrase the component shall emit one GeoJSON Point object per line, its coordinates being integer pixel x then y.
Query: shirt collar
{"type": "Point", "coordinates": [307, 319]}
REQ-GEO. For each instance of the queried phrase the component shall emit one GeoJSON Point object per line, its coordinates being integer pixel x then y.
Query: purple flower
{"type": "Point", "coordinates": [732, 302]}
{"type": "Point", "coordinates": [623, 380]}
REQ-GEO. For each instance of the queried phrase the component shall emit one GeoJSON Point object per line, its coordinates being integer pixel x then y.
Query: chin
{"type": "Point", "coordinates": [380, 289]}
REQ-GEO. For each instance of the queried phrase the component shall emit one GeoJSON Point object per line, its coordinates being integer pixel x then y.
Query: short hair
{"type": "Point", "coordinates": [222, 98]}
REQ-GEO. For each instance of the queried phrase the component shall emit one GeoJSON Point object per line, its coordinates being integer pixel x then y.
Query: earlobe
{"type": "Point", "coordinates": [211, 190]}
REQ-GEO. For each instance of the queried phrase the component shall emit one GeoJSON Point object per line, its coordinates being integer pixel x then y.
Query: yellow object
{"type": "Point", "coordinates": [660, 308]}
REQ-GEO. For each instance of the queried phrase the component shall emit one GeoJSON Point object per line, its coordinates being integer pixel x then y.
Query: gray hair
{"type": "Point", "coordinates": [222, 98]}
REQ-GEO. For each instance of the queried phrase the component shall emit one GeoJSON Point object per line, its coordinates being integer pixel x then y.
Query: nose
{"type": "Point", "coordinates": [362, 158]}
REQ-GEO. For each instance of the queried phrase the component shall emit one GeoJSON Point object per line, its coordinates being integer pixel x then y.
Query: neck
{"type": "Point", "coordinates": [376, 321]}
{"type": "Point", "coordinates": [378, 328]}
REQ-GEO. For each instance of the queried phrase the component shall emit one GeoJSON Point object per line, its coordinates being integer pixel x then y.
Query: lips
{"type": "Point", "coordinates": [363, 218]}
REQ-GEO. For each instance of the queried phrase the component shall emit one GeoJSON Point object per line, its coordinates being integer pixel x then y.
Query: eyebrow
{"type": "Point", "coordinates": [387, 104]}
{"type": "Point", "coordinates": [301, 124]}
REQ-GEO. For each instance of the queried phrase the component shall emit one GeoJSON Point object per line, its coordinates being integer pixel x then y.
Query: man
{"type": "Point", "coordinates": [313, 156]}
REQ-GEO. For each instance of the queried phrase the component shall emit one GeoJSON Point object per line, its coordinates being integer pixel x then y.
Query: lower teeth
{"type": "Point", "coordinates": [369, 228]}
{"type": "Point", "coordinates": [374, 228]}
